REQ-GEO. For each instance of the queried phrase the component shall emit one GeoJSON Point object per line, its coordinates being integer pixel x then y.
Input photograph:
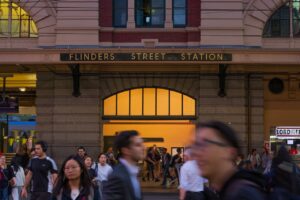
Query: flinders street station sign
{"type": "Point", "coordinates": [145, 56]}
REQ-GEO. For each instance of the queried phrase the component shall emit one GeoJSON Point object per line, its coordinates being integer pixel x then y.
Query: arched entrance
{"type": "Point", "coordinates": [162, 116]}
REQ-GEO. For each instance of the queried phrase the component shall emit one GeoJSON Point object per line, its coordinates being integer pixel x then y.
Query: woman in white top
{"type": "Point", "coordinates": [20, 179]}
{"type": "Point", "coordinates": [103, 170]}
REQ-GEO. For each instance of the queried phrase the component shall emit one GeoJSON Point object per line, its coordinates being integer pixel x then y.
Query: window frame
{"type": "Point", "coordinates": [156, 116]}
{"type": "Point", "coordinates": [291, 29]}
{"type": "Point", "coordinates": [186, 15]}
{"type": "Point", "coordinates": [20, 19]}
{"type": "Point", "coordinates": [150, 25]}
{"type": "Point", "coordinates": [113, 14]}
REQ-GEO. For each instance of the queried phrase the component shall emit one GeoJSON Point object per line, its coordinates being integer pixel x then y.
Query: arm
{"type": "Point", "coordinates": [26, 184]}
{"type": "Point", "coordinates": [182, 193]}
{"type": "Point", "coordinates": [54, 177]}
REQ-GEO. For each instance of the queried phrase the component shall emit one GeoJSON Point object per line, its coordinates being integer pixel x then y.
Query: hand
{"type": "Point", "coordinates": [24, 193]}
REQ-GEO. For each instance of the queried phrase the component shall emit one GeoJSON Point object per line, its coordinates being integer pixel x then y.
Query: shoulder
{"type": "Point", "coordinates": [50, 160]}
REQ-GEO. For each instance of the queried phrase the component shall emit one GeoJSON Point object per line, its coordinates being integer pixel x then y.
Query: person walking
{"type": "Point", "coordinates": [7, 178]}
{"type": "Point", "coordinates": [123, 183]}
{"type": "Point", "coordinates": [111, 157]}
{"type": "Point", "coordinates": [81, 153]}
{"type": "Point", "coordinates": [73, 182]}
{"type": "Point", "coordinates": [215, 149]}
{"type": "Point", "coordinates": [191, 183]}
{"type": "Point", "coordinates": [20, 179]}
{"type": "Point", "coordinates": [166, 158]}
{"type": "Point", "coordinates": [42, 172]}
{"type": "Point", "coordinates": [102, 168]}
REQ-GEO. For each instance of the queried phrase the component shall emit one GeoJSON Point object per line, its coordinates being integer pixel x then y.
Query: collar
{"type": "Point", "coordinates": [132, 169]}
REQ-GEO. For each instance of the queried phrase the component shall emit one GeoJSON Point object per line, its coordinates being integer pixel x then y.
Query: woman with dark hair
{"type": "Point", "coordinates": [20, 179]}
{"type": "Point", "coordinates": [73, 182]}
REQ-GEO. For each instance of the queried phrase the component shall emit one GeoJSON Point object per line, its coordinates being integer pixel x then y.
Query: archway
{"type": "Point", "coordinates": [162, 116]}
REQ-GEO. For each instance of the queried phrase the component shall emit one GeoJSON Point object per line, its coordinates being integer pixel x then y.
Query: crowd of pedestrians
{"type": "Point", "coordinates": [212, 168]}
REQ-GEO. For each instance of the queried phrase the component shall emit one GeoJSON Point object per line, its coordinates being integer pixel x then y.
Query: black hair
{"type": "Point", "coordinates": [123, 140]}
{"type": "Point", "coordinates": [61, 182]}
{"type": "Point", "coordinates": [178, 150]}
{"type": "Point", "coordinates": [223, 130]}
{"type": "Point", "coordinates": [81, 147]}
{"type": "Point", "coordinates": [15, 163]}
{"type": "Point", "coordinates": [100, 154]}
{"type": "Point", "coordinates": [43, 144]}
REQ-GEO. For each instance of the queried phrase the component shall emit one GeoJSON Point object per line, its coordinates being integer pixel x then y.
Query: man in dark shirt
{"type": "Point", "coordinates": [81, 153]}
{"type": "Point", "coordinates": [215, 149]}
{"type": "Point", "coordinates": [42, 174]}
{"type": "Point", "coordinates": [166, 158]}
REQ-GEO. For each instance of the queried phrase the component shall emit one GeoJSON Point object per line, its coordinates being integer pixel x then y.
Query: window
{"type": "Point", "coordinates": [280, 24]}
{"type": "Point", "coordinates": [150, 13]}
{"type": "Point", "coordinates": [120, 13]}
{"type": "Point", "coordinates": [179, 13]}
{"type": "Point", "coordinates": [15, 22]}
{"type": "Point", "coordinates": [149, 103]}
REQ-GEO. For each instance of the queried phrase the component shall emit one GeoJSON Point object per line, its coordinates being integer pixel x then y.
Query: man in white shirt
{"type": "Point", "coordinates": [191, 183]}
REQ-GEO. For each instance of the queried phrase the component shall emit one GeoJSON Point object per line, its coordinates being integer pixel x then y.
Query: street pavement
{"type": "Point", "coordinates": [160, 196]}
{"type": "Point", "coordinates": [154, 191]}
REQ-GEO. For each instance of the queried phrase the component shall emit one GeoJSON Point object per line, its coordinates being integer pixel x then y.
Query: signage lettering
{"type": "Point", "coordinates": [146, 56]}
{"type": "Point", "coordinates": [287, 131]}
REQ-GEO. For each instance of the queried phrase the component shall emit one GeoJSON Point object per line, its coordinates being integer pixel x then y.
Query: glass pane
{"type": "Point", "coordinates": [158, 16]}
{"type": "Point", "coordinates": [15, 28]}
{"type": "Point", "coordinates": [136, 105]}
{"type": "Point", "coordinates": [25, 28]}
{"type": "Point", "coordinates": [120, 17]}
{"type": "Point", "coordinates": [17, 11]}
{"type": "Point", "coordinates": [120, 4]}
{"type": "Point", "coordinates": [139, 18]}
{"type": "Point", "coordinates": [179, 17]}
{"type": "Point", "coordinates": [4, 11]}
{"type": "Point", "coordinates": [149, 101]}
{"type": "Point", "coordinates": [4, 28]}
{"type": "Point", "coordinates": [296, 10]}
{"type": "Point", "coordinates": [179, 3]}
{"type": "Point", "coordinates": [162, 102]}
{"type": "Point", "coordinates": [158, 3]}
{"type": "Point", "coordinates": [33, 29]}
{"type": "Point", "coordinates": [110, 106]}
{"type": "Point", "coordinates": [188, 106]}
{"type": "Point", "coordinates": [123, 103]}
{"type": "Point", "coordinates": [175, 103]}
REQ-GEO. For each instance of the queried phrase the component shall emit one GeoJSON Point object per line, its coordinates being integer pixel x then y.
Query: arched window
{"type": "Point", "coordinates": [281, 24]}
{"type": "Point", "coordinates": [15, 22]}
{"type": "Point", "coordinates": [149, 103]}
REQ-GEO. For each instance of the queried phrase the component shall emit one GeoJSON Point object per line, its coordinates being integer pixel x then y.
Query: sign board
{"type": "Point", "coordinates": [145, 56]}
{"type": "Point", "coordinates": [287, 131]}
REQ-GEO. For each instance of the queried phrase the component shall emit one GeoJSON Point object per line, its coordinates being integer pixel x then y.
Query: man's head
{"type": "Point", "coordinates": [40, 148]}
{"type": "Point", "coordinates": [164, 150]}
{"type": "Point", "coordinates": [179, 151]}
{"type": "Point", "coordinates": [187, 155]}
{"type": "Point", "coordinates": [216, 146]}
{"type": "Point", "coordinates": [2, 160]}
{"type": "Point", "coordinates": [110, 150]}
{"type": "Point", "coordinates": [81, 151]}
{"type": "Point", "coordinates": [130, 145]}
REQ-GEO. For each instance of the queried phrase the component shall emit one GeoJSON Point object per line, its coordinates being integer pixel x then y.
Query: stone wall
{"type": "Point", "coordinates": [67, 122]}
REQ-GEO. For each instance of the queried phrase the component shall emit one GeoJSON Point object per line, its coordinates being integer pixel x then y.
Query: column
{"type": "Point", "coordinates": [131, 21]}
{"type": "Point", "coordinates": [168, 20]}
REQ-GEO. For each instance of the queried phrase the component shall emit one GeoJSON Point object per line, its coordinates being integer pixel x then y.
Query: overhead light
{"type": "Point", "coordinates": [22, 89]}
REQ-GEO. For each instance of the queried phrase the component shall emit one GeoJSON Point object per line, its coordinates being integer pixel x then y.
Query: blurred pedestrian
{"type": "Point", "coordinates": [254, 159]}
{"type": "Point", "coordinates": [20, 179]}
{"type": "Point", "coordinates": [81, 153]}
{"type": "Point", "coordinates": [216, 148]}
{"type": "Point", "coordinates": [42, 172]}
{"type": "Point", "coordinates": [88, 162]}
{"type": "Point", "coordinates": [111, 160]}
{"type": "Point", "coordinates": [123, 183]}
{"type": "Point", "coordinates": [7, 178]}
{"type": "Point", "coordinates": [166, 159]}
{"type": "Point", "coordinates": [175, 163]}
{"type": "Point", "coordinates": [191, 183]}
{"type": "Point", "coordinates": [73, 182]}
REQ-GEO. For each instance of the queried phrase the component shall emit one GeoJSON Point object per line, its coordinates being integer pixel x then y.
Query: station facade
{"type": "Point", "coordinates": [93, 68]}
